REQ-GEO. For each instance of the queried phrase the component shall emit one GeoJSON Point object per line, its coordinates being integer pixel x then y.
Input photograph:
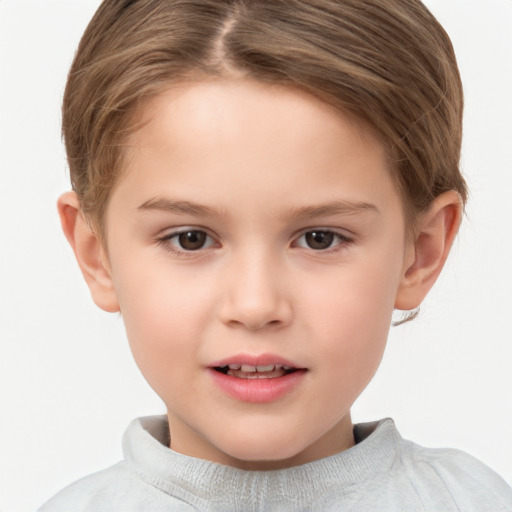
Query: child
{"type": "Point", "coordinates": [257, 185]}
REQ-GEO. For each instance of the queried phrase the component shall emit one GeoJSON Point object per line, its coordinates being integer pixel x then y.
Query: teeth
{"type": "Point", "coordinates": [249, 371]}
{"type": "Point", "coordinates": [259, 368]}
{"type": "Point", "coordinates": [253, 370]}
{"type": "Point", "coordinates": [267, 368]}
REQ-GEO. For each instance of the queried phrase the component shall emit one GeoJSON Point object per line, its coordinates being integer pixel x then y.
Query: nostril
{"type": "Point", "coordinates": [257, 326]}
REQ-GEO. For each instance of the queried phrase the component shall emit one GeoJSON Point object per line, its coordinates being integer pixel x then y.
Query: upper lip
{"type": "Point", "coordinates": [255, 360]}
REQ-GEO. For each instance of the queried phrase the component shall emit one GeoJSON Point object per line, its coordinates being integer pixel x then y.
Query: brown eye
{"type": "Point", "coordinates": [319, 240]}
{"type": "Point", "coordinates": [192, 240]}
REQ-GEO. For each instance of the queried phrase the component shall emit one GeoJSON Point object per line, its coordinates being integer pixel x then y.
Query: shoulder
{"type": "Point", "coordinates": [112, 490]}
{"type": "Point", "coordinates": [95, 491]}
{"type": "Point", "coordinates": [407, 476]}
{"type": "Point", "coordinates": [463, 479]}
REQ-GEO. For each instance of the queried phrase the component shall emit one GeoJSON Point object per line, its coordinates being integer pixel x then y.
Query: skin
{"type": "Point", "coordinates": [257, 168]}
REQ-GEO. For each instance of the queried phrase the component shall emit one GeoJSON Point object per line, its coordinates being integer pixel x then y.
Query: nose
{"type": "Point", "coordinates": [256, 295]}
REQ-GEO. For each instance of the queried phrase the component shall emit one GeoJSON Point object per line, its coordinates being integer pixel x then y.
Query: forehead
{"type": "Point", "coordinates": [239, 107]}
{"type": "Point", "coordinates": [221, 139]}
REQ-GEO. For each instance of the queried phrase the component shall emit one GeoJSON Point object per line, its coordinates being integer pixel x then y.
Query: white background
{"type": "Point", "coordinates": [68, 385]}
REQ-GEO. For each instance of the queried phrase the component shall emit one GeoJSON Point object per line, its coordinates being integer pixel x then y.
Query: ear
{"type": "Point", "coordinates": [427, 253]}
{"type": "Point", "coordinates": [89, 252]}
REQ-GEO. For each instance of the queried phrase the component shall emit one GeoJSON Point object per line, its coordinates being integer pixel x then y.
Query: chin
{"type": "Point", "coordinates": [262, 453]}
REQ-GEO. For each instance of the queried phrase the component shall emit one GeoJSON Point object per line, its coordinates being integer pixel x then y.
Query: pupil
{"type": "Point", "coordinates": [192, 240]}
{"type": "Point", "coordinates": [319, 239]}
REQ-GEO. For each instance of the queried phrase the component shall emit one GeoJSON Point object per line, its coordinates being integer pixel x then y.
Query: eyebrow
{"type": "Point", "coordinates": [178, 207]}
{"type": "Point", "coordinates": [305, 212]}
{"type": "Point", "coordinates": [335, 208]}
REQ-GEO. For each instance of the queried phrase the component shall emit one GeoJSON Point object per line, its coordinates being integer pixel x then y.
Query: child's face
{"type": "Point", "coordinates": [255, 225]}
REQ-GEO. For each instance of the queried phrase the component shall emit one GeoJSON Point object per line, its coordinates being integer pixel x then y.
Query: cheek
{"type": "Point", "coordinates": [354, 300]}
{"type": "Point", "coordinates": [352, 317]}
{"type": "Point", "coordinates": [162, 321]}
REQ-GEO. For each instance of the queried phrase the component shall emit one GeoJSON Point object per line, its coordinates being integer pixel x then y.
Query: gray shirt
{"type": "Point", "coordinates": [382, 472]}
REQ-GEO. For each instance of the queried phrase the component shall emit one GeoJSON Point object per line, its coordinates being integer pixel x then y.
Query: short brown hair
{"type": "Point", "coordinates": [389, 62]}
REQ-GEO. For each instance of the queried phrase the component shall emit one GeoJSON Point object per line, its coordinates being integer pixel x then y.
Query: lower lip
{"type": "Point", "coordinates": [257, 390]}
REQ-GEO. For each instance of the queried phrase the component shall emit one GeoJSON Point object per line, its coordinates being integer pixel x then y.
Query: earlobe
{"type": "Point", "coordinates": [89, 252]}
{"type": "Point", "coordinates": [437, 228]}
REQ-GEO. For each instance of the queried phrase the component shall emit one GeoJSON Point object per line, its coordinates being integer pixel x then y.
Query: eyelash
{"type": "Point", "coordinates": [167, 242]}
{"type": "Point", "coordinates": [342, 241]}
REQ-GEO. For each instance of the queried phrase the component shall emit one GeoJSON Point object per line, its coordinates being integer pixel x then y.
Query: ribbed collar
{"type": "Point", "coordinates": [197, 481]}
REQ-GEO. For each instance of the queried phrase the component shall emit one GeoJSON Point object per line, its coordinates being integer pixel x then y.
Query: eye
{"type": "Point", "coordinates": [188, 240]}
{"type": "Point", "coordinates": [321, 239]}
{"type": "Point", "coordinates": [191, 240]}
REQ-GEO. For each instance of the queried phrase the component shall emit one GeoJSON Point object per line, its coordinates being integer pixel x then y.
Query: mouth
{"type": "Point", "coordinates": [247, 371]}
{"type": "Point", "coordinates": [257, 379]}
